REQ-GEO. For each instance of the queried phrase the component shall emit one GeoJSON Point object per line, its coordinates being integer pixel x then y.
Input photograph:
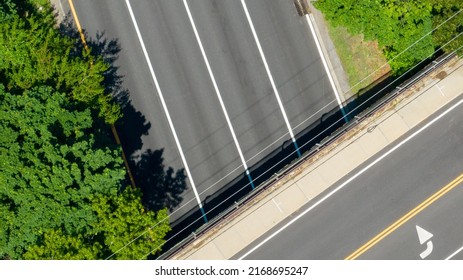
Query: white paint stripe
{"type": "Point", "coordinates": [277, 205]}
{"type": "Point", "coordinates": [351, 179]}
{"type": "Point", "coordinates": [219, 96]}
{"type": "Point", "coordinates": [61, 8]}
{"type": "Point", "coordinates": [275, 90]}
{"type": "Point", "coordinates": [158, 89]}
{"type": "Point", "coordinates": [325, 64]}
{"type": "Point", "coordinates": [440, 90]}
{"type": "Point", "coordinates": [454, 254]}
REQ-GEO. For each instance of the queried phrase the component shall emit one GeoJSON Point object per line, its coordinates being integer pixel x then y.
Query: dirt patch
{"type": "Point", "coordinates": [441, 75]}
{"type": "Point", "coordinates": [362, 60]}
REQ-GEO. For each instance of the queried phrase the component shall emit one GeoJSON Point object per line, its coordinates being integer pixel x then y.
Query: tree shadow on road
{"type": "Point", "coordinates": [165, 185]}
{"type": "Point", "coordinates": [161, 186]}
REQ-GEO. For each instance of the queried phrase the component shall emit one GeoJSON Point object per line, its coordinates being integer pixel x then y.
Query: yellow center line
{"type": "Point", "coordinates": [406, 218]}
{"type": "Point", "coordinates": [113, 127]}
{"type": "Point", "coordinates": [79, 27]}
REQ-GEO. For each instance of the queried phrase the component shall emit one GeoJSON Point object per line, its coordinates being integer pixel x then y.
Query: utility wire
{"type": "Point", "coordinates": [292, 153]}
{"type": "Point", "coordinates": [416, 42]}
{"type": "Point", "coordinates": [284, 135]}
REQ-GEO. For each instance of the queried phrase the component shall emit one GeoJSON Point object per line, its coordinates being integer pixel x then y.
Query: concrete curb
{"type": "Point", "coordinates": [329, 51]}
{"type": "Point", "coordinates": [59, 8]}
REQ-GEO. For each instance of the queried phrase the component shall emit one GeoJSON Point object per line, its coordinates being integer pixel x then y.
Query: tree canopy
{"type": "Point", "coordinates": [120, 220]}
{"type": "Point", "coordinates": [63, 191]}
{"type": "Point", "coordinates": [58, 178]}
{"type": "Point", "coordinates": [449, 29]}
{"type": "Point", "coordinates": [33, 52]}
{"type": "Point", "coordinates": [399, 26]}
{"type": "Point", "coordinates": [50, 166]}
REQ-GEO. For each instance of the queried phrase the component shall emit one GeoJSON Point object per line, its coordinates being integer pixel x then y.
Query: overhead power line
{"type": "Point", "coordinates": [286, 134]}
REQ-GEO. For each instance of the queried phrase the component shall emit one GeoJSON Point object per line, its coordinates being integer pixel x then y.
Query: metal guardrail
{"type": "Point", "coordinates": [354, 121]}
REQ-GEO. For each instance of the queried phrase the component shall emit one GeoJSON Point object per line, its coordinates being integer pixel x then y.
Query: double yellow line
{"type": "Point", "coordinates": [405, 218]}
{"type": "Point", "coordinates": [113, 128]}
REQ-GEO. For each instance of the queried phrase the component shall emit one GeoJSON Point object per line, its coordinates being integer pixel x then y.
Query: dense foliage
{"type": "Point", "coordinates": [63, 192]}
{"type": "Point", "coordinates": [399, 24]}
{"type": "Point", "coordinates": [60, 178]}
{"type": "Point", "coordinates": [448, 30]}
{"type": "Point", "coordinates": [33, 52]}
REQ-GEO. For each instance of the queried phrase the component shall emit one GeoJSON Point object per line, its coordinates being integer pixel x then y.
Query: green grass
{"type": "Point", "coordinates": [39, 2]}
{"type": "Point", "coordinates": [359, 58]}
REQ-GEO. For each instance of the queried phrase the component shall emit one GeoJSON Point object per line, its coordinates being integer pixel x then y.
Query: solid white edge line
{"type": "Point", "coordinates": [203, 52]}
{"type": "Point", "coordinates": [351, 179]}
{"type": "Point", "coordinates": [325, 64]}
{"type": "Point", "coordinates": [454, 254]}
{"type": "Point", "coordinates": [61, 8]}
{"type": "Point", "coordinates": [275, 90]}
{"type": "Point", "coordinates": [161, 97]}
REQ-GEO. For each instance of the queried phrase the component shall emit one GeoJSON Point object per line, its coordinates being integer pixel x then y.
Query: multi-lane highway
{"type": "Point", "coordinates": [405, 206]}
{"type": "Point", "coordinates": [214, 85]}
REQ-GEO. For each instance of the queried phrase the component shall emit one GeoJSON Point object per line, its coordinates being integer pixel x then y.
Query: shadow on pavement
{"type": "Point", "coordinates": [161, 186]}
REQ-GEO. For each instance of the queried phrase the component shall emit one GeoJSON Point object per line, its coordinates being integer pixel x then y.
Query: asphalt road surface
{"type": "Point", "coordinates": [380, 197]}
{"type": "Point", "coordinates": [443, 219]}
{"type": "Point", "coordinates": [204, 88]}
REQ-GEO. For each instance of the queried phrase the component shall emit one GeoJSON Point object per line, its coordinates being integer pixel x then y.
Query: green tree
{"type": "Point", "coordinates": [395, 24]}
{"type": "Point", "coordinates": [442, 11]}
{"type": "Point", "coordinates": [62, 181]}
{"type": "Point", "coordinates": [56, 245]}
{"type": "Point", "coordinates": [33, 53]}
{"type": "Point", "coordinates": [120, 219]}
{"type": "Point", "coordinates": [58, 176]}
{"type": "Point", "coordinates": [51, 166]}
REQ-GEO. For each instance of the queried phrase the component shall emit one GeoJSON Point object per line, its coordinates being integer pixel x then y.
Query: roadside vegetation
{"type": "Point", "coordinates": [63, 191]}
{"type": "Point", "coordinates": [394, 26]}
{"type": "Point", "coordinates": [359, 58]}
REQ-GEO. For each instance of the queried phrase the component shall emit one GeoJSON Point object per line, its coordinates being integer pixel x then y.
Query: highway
{"type": "Point", "coordinates": [203, 97]}
{"type": "Point", "coordinates": [376, 214]}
